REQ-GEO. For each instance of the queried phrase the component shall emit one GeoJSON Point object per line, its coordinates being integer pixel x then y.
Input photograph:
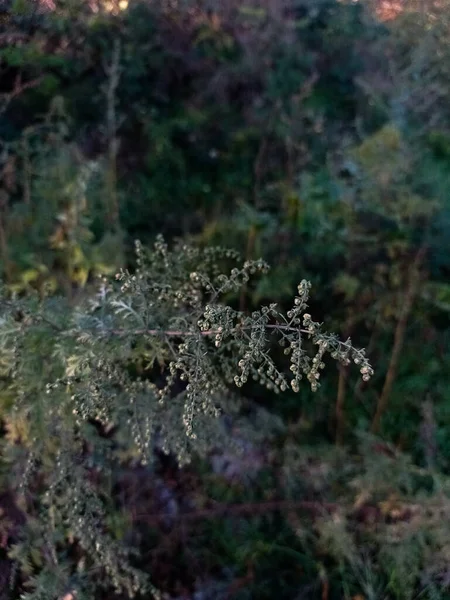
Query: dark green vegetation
{"type": "Point", "coordinates": [313, 135]}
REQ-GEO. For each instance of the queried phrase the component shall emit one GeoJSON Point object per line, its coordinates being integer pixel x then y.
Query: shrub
{"type": "Point", "coordinates": [146, 363]}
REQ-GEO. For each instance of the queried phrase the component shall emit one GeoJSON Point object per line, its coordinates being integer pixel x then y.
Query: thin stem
{"type": "Point", "coordinates": [209, 332]}
{"type": "Point", "coordinates": [399, 338]}
{"type": "Point", "coordinates": [113, 72]}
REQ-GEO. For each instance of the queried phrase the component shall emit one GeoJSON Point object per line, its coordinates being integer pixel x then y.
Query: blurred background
{"type": "Point", "coordinates": [314, 134]}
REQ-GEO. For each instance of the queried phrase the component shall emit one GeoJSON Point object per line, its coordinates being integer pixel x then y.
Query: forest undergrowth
{"type": "Point", "coordinates": [177, 420]}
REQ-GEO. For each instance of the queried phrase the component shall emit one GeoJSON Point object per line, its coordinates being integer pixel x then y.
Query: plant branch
{"type": "Point", "coordinates": [399, 337]}
{"type": "Point", "coordinates": [113, 73]}
{"type": "Point", "coordinates": [18, 88]}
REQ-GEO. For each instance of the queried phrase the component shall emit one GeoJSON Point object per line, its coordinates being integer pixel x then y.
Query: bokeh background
{"type": "Point", "coordinates": [314, 134]}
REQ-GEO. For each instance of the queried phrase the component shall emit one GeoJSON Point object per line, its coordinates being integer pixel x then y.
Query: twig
{"type": "Point", "coordinates": [209, 332]}
{"type": "Point", "coordinates": [18, 88]}
{"type": "Point", "coordinates": [113, 73]}
{"type": "Point", "coordinates": [179, 333]}
{"type": "Point", "coordinates": [399, 337]}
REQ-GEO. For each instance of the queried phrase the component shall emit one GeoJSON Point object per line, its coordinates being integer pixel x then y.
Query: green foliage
{"type": "Point", "coordinates": [309, 133]}
{"type": "Point", "coordinates": [51, 194]}
{"type": "Point", "coordinates": [98, 363]}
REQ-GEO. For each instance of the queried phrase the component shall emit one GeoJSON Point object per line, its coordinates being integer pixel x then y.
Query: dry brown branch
{"type": "Point", "coordinates": [399, 337]}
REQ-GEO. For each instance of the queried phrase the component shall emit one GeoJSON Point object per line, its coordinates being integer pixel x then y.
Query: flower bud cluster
{"type": "Point", "coordinates": [317, 365]}
{"type": "Point", "coordinates": [255, 353]}
{"type": "Point", "coordinates": [300, 303]}
{"type": "Point", "coordinates": [218, 319]}
{"type": "Point", "coordinates": [270, 377]}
